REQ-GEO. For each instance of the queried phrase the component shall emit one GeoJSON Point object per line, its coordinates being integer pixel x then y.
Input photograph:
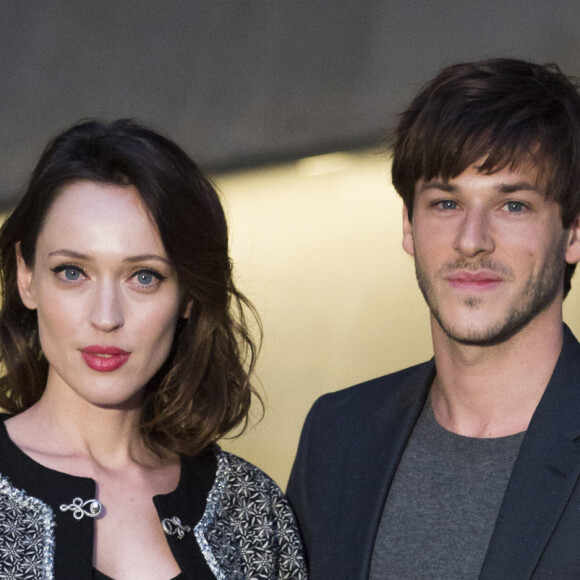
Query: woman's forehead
{"type": "Point", "coordinates": [100, 217]}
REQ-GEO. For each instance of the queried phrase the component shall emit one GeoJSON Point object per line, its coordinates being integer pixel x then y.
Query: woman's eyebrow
{"type": "Point", "coordinates": [69, 254]}
{"type": "Point", "coordinates": [131, 259]}
{"type": "Point", "coordinates": [145, 257]}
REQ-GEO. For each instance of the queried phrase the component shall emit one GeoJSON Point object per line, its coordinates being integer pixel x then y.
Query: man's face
{"type": "Point", "coordinates": [490, 252]}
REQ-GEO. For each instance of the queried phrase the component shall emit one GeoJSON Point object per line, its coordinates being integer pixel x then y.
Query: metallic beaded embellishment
{"type": "Point", "coordinates": [26, 535]}
{"type": "Point", "coordinates": [248, 529]}
{"type": "Point", "coordinates": [173, 526]}
{"type": "Point", "coordinates": [77, 507]}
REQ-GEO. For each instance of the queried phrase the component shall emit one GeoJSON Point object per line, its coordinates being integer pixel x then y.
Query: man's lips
{"type": "Point", "coordinates": [479, 280]}
{"type": "Point", "coordinates": [104, 358]}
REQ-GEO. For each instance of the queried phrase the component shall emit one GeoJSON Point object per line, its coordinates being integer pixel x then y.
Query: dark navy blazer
{"type": "Point", "coordinates": [352, 443]}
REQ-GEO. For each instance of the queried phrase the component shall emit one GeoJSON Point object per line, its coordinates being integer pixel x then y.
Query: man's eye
{"type": "Point", "coordinates": [448, 204]}
{"type": "Point", "coordinates": [514, 206]}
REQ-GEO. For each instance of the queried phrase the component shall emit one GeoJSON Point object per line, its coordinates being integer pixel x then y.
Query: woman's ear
{"type": "Point", "coordinates": [24, 276]}
{"type": "Point", "coordinates": [186, 311]}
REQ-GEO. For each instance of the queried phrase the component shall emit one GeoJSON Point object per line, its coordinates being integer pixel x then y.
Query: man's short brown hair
{"type": "Point", "coordinates": [507, 112]}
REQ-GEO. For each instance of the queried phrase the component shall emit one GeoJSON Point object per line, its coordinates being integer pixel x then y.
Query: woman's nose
{"type": "Point", "coordinates": [107, 307]}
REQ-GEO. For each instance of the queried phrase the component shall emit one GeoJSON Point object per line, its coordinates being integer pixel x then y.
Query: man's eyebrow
{"type": "Point", "coordinates": [440, 185]}
{"type": "Point", "coordinates": [519, 186]}
{"type": "Point", "coordinates": [130, 260]}
{"type": "Point", "coordinates": [501, 188]}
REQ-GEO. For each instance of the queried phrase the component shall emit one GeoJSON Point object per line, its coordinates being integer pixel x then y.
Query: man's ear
{"type": "Point", "coordinates": [573, 246]}
{"type": "Point", "coordinates": [24, 278]}
{"type": "Point", "coordinates": [408, 244]}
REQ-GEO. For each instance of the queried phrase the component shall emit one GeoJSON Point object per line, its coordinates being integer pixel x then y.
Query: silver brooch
{"type": "Point", "coordinates": [90, 508]}
{"type": "Point", "coordinates": [173, 526]}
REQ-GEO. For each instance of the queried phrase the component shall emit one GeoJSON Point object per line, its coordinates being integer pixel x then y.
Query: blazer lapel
{"type": "Point", "coordinates": [372, 466]}
{"type": "Point", "coordinates": [544, 475]}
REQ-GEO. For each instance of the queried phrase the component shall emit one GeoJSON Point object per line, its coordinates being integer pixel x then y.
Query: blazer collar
{"type": "Point", "coordinates": [544, 475]}
{"type": "Point", "coordinates": [370, 468]}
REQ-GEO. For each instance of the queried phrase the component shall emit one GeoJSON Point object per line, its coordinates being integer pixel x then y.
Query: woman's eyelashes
{"type": "Point", "coordinates": [69, 273]}
{"type": "Point", "coordinates": [147, 279]}
{"type": "Point", "coordinates": [141, 279]}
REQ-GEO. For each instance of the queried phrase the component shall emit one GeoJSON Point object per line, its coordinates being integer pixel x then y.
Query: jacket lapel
{"type": "Point", "coordinates": [371, 468]}
{"type": "Point", "coordinates": [544, 475]}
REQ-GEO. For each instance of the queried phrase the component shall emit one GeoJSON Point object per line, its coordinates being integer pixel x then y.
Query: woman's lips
{"type": "Point", "coordinates": [104, 358]}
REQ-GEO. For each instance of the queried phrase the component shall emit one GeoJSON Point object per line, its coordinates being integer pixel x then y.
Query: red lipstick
{"type": "Point", "coordinates": [104, 358]}
{"type": "Point", "coordinates": [480, 280]}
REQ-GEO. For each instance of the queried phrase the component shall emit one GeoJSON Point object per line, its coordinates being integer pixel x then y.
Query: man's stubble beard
{"type": "Point", "coordinates": [540, 291]}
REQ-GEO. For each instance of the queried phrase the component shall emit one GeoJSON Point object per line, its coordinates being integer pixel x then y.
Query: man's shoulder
{"type": "Point", "coordinates": [404, 383]}
{"type": "Point", "coordinates": [345, 428]}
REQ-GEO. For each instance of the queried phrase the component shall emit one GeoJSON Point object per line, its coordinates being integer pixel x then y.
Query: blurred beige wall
{"type": "Point", "coordinates": [317, 248]}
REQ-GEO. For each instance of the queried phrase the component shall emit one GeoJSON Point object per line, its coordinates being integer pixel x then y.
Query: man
{"type": "Point", "coordinates": [467, 466]}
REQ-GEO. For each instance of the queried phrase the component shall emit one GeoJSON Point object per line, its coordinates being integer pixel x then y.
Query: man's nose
{"type": "Point", "coordinates": [474, 236]}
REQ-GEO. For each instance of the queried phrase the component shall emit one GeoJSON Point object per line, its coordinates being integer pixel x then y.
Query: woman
{"type": "Point", "coordinates": [123, 340]}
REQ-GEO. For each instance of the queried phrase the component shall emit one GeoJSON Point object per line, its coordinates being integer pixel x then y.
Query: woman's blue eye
{"type": "Point", "coordinates": [145, 278]}
{"type": "Point", "coordinates": [72, 274]}
{"type": "Point", "coordinates": [67, 273]}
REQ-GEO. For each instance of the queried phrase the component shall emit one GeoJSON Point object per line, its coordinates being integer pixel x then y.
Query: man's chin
{"type": "Point", "coordinates": [482, 334]}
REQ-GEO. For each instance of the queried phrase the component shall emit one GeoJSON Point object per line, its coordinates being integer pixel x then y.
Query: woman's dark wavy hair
{"type": "Point", "coordinates": [203, 390]}
{"type": "Point", "coordinates": [508, 112]}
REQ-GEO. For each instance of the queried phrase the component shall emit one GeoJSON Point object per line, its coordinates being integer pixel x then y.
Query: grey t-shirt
{"type": "Point", "coordinates": [443, 504]}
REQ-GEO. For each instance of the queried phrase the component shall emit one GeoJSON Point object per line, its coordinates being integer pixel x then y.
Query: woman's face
{"type": "Point", "coordinates": [105, 292]}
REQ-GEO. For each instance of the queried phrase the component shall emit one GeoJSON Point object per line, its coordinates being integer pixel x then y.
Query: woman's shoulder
{"type": "Point", "coordinates": [238, 468]}
{"type": "Point", "coordinates": [241, 493]}
{"type": "Point", "coordinates": [248, 513]}
{"type": "Point", "coordinates": [241, 484]}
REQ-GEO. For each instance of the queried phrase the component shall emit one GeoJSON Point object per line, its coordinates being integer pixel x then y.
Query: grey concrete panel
{"type": "Point", "coordinates": [241, 82]}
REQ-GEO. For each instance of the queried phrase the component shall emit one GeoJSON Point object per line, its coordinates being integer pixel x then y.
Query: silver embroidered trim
{"type": "Point", "coordinates": [174, 527]}
{"type": "Point", "coordinates": [248, 529]}
{"type": "Point", "coordinates": [214, 499]}
{"type": "Point", "coordinates": [26, 535]}
{"type": "Point", "coordinates": [77, 507]}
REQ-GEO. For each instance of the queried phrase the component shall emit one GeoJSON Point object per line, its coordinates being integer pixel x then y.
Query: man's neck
{"type": "Point", "coordinates": [493, 391]}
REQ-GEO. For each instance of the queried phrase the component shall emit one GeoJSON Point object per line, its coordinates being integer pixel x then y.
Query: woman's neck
{"type": "Point", "coordinates": [74, 436]}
